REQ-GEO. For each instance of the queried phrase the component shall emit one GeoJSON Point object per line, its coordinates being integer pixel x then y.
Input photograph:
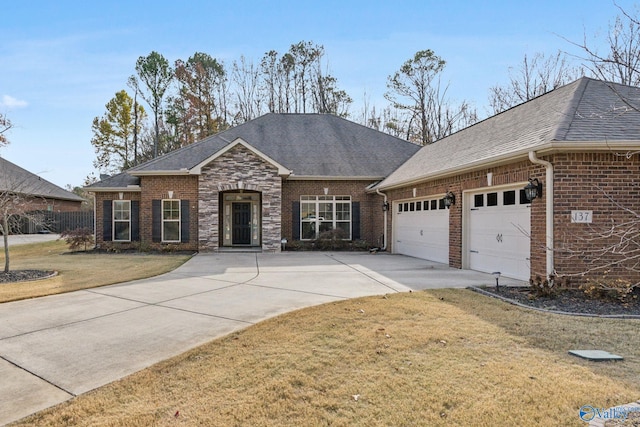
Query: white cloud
{"type": "Point", "coordinates": [11, 102]}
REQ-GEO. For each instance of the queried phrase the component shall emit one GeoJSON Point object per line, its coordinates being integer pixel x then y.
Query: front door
{"type": "Point", "coordinates": [241, 223]}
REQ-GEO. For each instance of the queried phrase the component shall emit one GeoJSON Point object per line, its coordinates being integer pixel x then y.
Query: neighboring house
{"type": "Point", "coordinates": [579, 141]}
{"type": "Point", "coordinates": [37, 193]}
{"type": "Point", "coordinates": [280, 176]}
{"type": "Point", "coordinates": [292, 176]}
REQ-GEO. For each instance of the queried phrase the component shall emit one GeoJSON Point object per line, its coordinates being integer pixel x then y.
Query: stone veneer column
{"type": "Point", "coordinates": [225, 174]}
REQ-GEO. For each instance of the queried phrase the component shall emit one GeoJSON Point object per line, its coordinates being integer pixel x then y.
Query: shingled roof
{"type": "Point", "coordinates": [585, 113]}
{"type": "Point", "coordinates": [317, 145]}
{"type": "Point", "coordinates": [15, 179]}
{"type": "Point", "coordinates": [309, 145]}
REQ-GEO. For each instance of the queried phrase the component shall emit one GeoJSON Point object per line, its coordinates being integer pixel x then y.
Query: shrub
{"type": "Point", "coordinates": [606, 288]}
{"type": "Point", "coordinates": [78, 238]}
{"type": "Point", "coordinates": [332, 240]}
{"type": "Point", "coordinates": [543, 288]}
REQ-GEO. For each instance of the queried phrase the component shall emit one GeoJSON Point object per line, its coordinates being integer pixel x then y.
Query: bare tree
{"type": "Point", "coordinates": [298, 82]}
{"type": "Point", "coordinates": [608, 253]}
{"type": "Point", "coordinates": [248, 102]}
{"type": "Point", "coordinates": [5, 125]}
{"type": "Point", "coordinates": [16, 206]}
{"type": "Point", "coordinates": [534, 77]}
{"type": "Point", "coordinates": [416, 90]}
{"type": "Point", "coordinates": [620, 62]}
{"type": "Point", "coordinates": [199, 107]}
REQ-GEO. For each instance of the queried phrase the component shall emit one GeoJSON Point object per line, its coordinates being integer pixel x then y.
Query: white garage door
{"type": "Point", "coordinates": [422, 230]}
{"type": "Point", "coordinates": [498, 233]}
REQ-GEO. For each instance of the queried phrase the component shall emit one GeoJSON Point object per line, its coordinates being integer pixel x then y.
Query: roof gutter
{"type": "Point", "coordinates": [386, 213]}
{"type": "Point", "coordinates": [549, 210]}
{"type": "Point", "coordinates": [624, 147]}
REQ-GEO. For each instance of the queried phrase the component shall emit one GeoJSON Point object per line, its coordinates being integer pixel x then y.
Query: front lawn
{"type": "Point", "coordinates": [434, 358]}
{"type": "Point", "coordinates": [78, 270]}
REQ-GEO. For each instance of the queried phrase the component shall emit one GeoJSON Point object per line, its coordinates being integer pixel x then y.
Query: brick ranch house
{"type": "Point", "coordinates": [293, 176]}
{"type": "Point", "coordinates": [280, 176]}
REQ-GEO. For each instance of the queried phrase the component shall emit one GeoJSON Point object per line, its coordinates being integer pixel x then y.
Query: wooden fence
{"type": "Point", "coordinates": [54, 222]}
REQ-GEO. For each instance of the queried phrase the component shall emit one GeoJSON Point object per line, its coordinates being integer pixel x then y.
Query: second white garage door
{"type": "Point", "coordinates": [422, 230]}
{"type": "Point", "coordinates": [499, 225]}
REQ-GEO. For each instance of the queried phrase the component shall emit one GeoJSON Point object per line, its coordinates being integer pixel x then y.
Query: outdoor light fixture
{"type": "Point", "coordinates": [497, 274]}
{"type": "Point", "coordinates": [385, 206]}
{"type": "Point", "coordinates": [533, 189]}
{"type": "Point", "coordinates": [449, 199]}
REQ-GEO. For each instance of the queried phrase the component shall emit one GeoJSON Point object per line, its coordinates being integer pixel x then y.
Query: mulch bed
{"type": "Point", "coordinates": [24, 275]}
{"type": "Point", "coordinates": [569, 301]}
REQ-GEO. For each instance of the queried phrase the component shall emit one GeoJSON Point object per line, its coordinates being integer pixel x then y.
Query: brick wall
{"type": "Point", "coordinates": [157, 188]}
{"type": "Point", "coordinates": [606, 184]}
{"type": "Point", "coordinates": [154, 188]}
{"type": "Point", "coordinates": [99, 200]}
{"type": "Point", "coordinates": [371, 214]}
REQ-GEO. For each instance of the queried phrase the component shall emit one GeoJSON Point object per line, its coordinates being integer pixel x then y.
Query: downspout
{"type": "Point", "coordinates": [549, 210]}
{"type": "Point", "coordinates": [95, 222]}
{"type": "Point", "coordinates": [384, 230]}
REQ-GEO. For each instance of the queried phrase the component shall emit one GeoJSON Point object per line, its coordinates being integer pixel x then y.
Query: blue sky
{"type": "Point", "coordinates": [62, 61]}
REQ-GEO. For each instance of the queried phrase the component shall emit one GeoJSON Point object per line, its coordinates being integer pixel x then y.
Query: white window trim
{"type": "Point", "coordinates": [163, 221]}
{"type": "Point", "coordinates": [114, 220]}
{"type": "Point", "coordinates": [334, 201]}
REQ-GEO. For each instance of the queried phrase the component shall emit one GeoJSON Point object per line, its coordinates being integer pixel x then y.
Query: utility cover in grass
{"type": "Point", "coordinates": [595, 355]}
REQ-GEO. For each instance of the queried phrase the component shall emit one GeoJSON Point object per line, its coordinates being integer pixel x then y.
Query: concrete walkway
{"type": "Point", "coordinates": [23, 239]}
{"type": "Point", "coordinates": [57, 347]}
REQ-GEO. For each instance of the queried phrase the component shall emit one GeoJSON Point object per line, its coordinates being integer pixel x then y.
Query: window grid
{"type": "Point", "coordinates": [324, 213]}
{"type": "Point", "coordinates": [171, 220]}
{"type": "Point", "coordinates": [121, 220]}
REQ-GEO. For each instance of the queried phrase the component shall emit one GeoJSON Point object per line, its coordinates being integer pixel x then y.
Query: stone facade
{"type": "Point", "coordinates": [238, 170]}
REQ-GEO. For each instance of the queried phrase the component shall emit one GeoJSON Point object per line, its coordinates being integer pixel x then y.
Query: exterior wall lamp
{"type": "Point", "coordinates": [385, 206]}
{"type": "Point", "coordinates": [533, 189]}
{"type": "Point", "coordinates": [449, 199]}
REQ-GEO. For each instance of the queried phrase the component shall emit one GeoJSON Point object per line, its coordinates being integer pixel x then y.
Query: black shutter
{"type": "Point", "coordinates": [355, 221]}
{"type": "Point", "coordinates": [184, 221]}
{"type": "Point", "coordinates": [135, 221]}
{"type": "Point", "coordinates": [107, 220]}
{"type": "Point", "coordinates": [156, 221]}
{"type": "Point", "coordinates": [295, 220]}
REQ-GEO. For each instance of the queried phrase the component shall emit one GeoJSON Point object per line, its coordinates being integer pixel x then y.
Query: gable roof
{"type": "Point", "coordinates": [239, 141]}
{"type": "Point", "coordinates": [308, 145]}
{"type": "Point", "coordinates": [585, 114]}
{"type": "Point", "coordinates": [15, 179]}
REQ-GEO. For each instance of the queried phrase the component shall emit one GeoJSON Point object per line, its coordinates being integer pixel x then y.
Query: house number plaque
{"type": "Point", "coordinates": [583, 217]}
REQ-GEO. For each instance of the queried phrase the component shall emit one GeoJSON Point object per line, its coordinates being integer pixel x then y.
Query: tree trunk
{"type": "Point", "coordinates": [5, 236]}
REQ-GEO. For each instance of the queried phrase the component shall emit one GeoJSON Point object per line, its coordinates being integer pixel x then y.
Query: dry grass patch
{"type": "Point", "coordinates": [79, 270]}
{"type": "Point", "coordinates": [404, 359]}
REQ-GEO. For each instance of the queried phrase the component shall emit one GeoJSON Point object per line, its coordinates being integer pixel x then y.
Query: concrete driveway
{"type": "Point", "coordinates": [54, 348]}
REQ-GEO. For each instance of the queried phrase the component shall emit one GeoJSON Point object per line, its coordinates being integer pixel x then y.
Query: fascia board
{"type": "Point", "coordinates": [548, 148]}
{"type": "Point", "coordinates": [333, 178]}
{"type": "Point", "coordinates": [160, 172]}
{"type": "Point", "coordinates": [128, 189]}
